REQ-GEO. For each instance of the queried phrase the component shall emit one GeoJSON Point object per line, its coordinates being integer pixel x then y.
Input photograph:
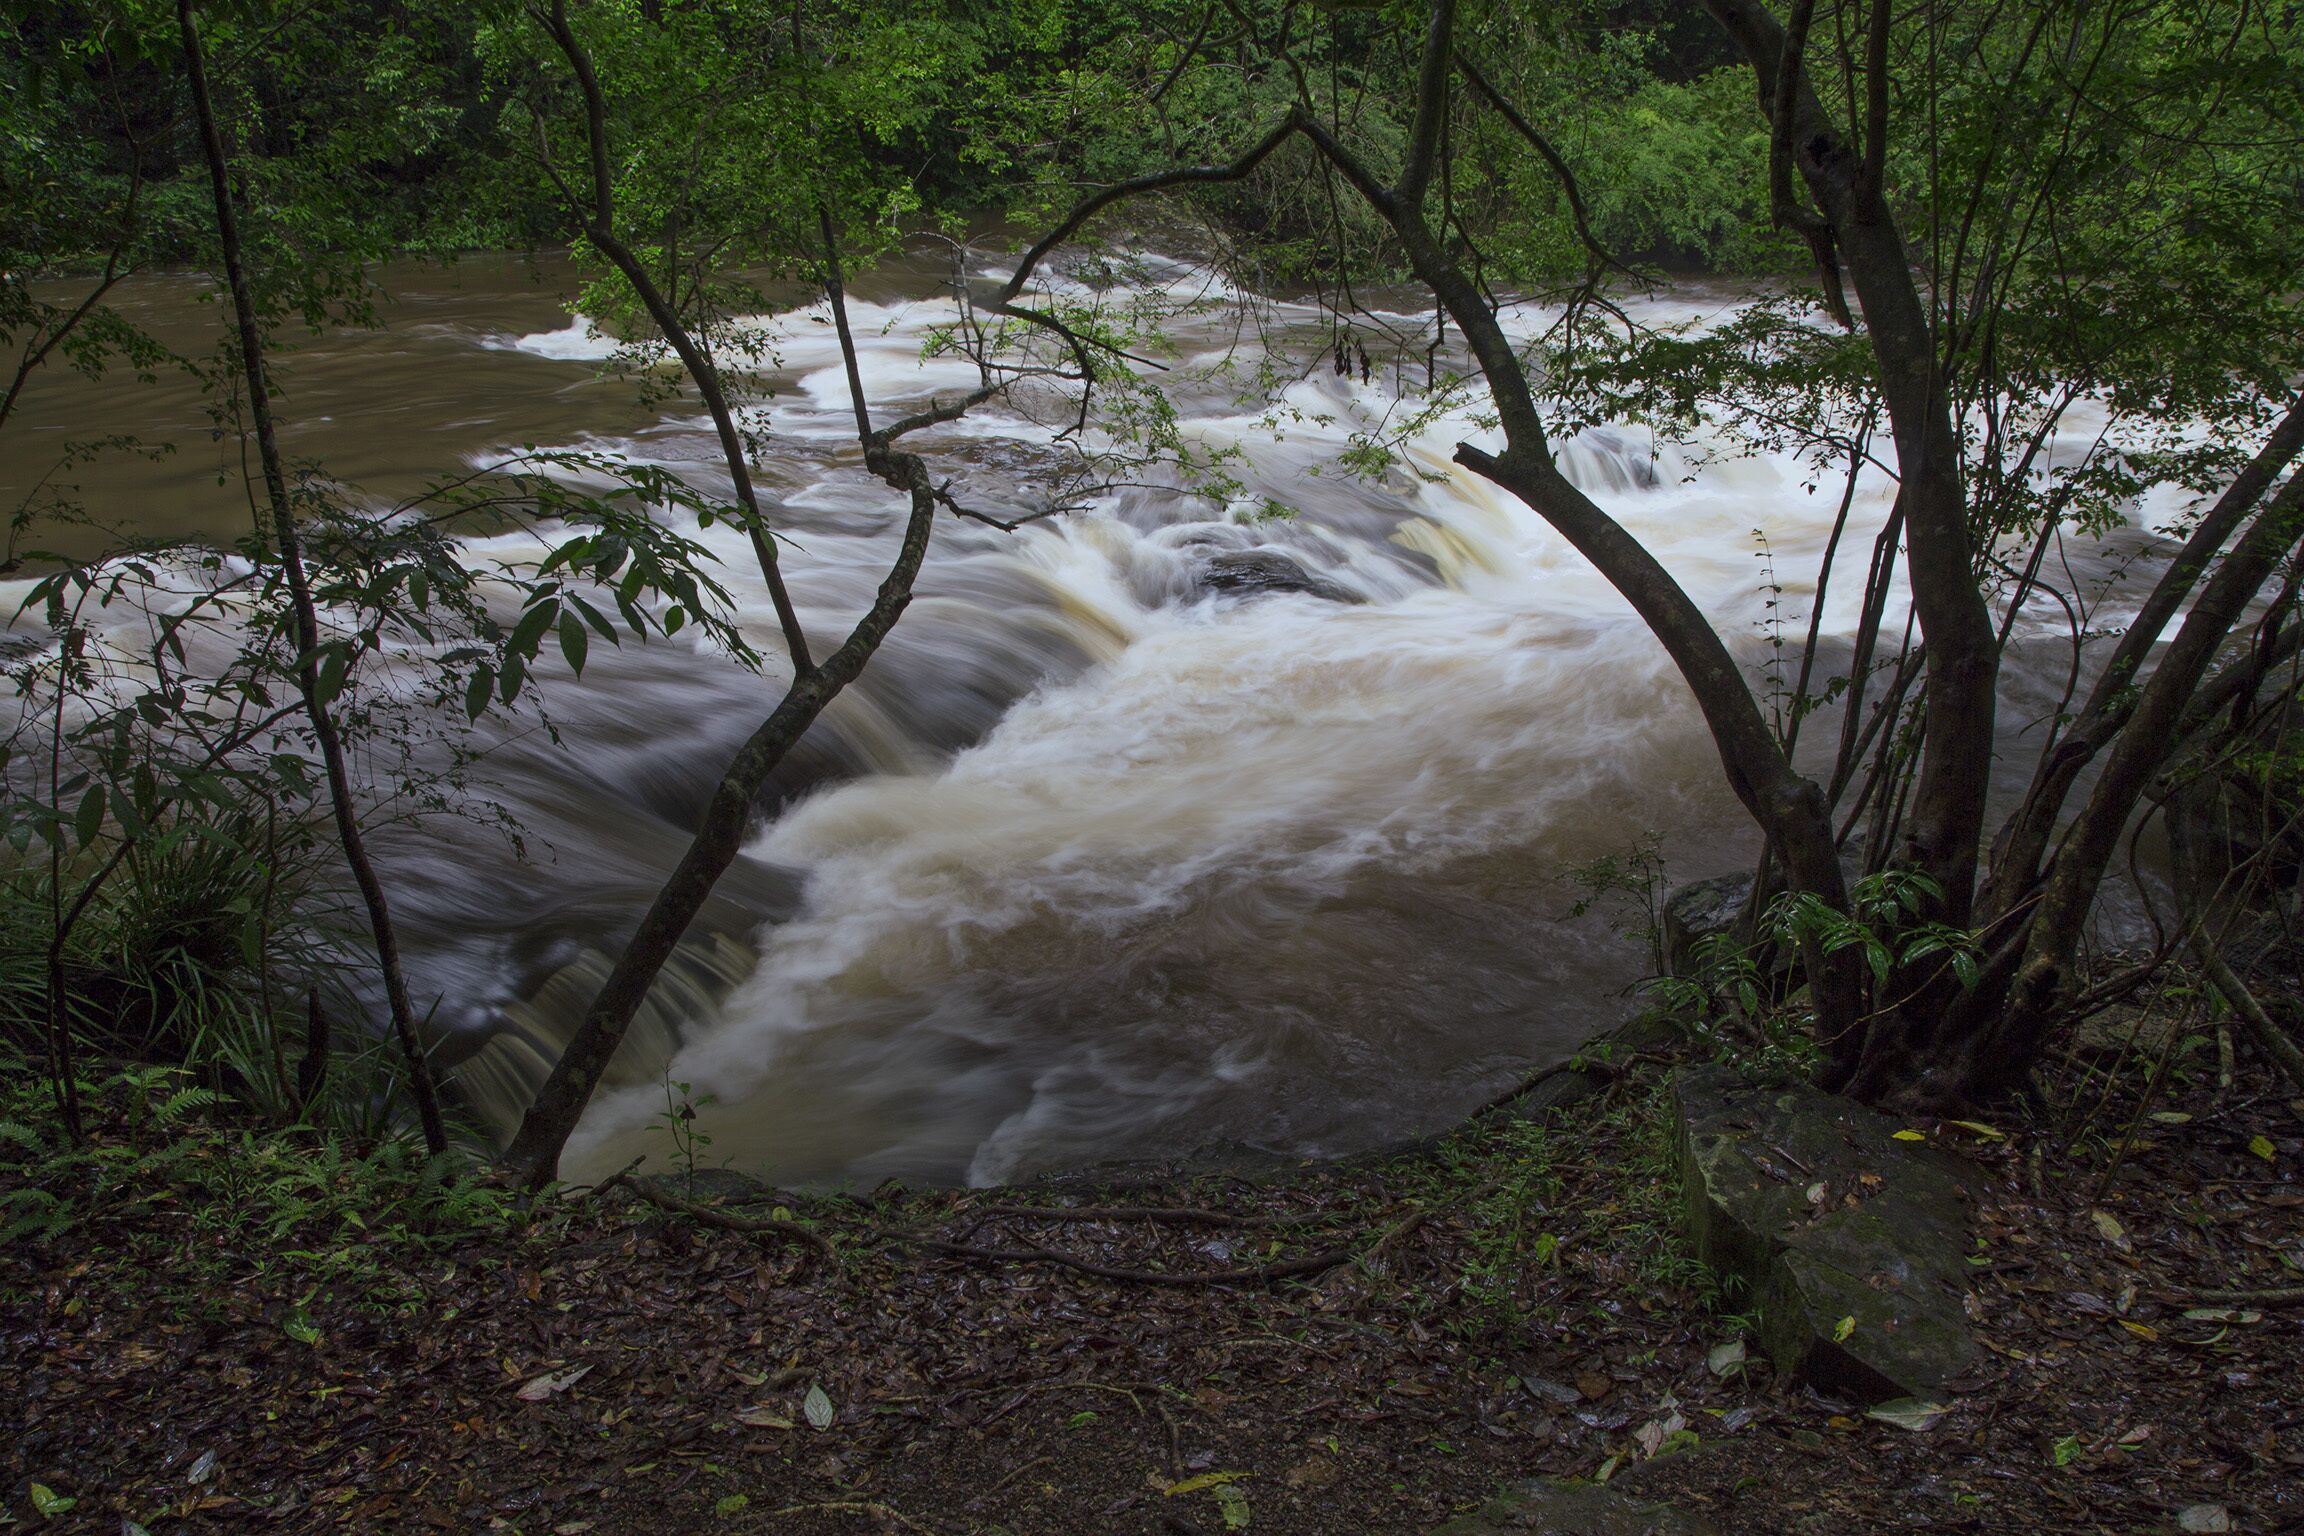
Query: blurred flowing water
{"type": "Point", "coordinates": [1158, 827]}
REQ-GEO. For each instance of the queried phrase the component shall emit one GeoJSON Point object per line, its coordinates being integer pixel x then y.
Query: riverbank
{"type": "Point", "coordinates": [1373, 1346]}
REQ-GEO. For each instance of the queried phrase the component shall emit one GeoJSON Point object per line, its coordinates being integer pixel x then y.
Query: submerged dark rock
{"type": "Point", "coordinates": [1851, 1243]}
{"type": "Point", "coordinates": [1254, 572]}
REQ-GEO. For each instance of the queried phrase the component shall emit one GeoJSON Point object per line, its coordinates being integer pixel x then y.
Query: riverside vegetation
{"type": "Point", "coordinates": [2033, 270]}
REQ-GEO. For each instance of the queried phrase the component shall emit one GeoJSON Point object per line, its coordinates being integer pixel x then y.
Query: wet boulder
{"type": "Point", "coordinates": [1850, 1243]}
{"type": "Point", "coordinates": [1256, 572]}
{"type": "Point", "coordinates": [1564, 1507]}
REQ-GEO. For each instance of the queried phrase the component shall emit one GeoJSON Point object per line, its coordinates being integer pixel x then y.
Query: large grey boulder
{"type": "Point", "coordinates": [1851, 1244]}
{"type": "Point", "coordinates": [1557, 1507]}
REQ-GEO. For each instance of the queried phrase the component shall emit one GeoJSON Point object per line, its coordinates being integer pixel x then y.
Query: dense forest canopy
{"type": "Point", "coordinates": [1976, 234]}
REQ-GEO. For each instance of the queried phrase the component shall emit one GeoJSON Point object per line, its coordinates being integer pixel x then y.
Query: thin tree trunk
{"type": "Point", "coordinates": [1947, 817]}
{"type": "Point", "coordinates": [2151, 735]}
{"type": "Point", "coordinates": [304, 630]}
{"type": "Point", "coordinates": [534, 1154]}
{"type": "Point", "coordinates": [2024, 840]}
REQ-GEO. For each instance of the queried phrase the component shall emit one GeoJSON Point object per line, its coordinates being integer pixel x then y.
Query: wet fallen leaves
{"type": "Point", "coordinates": [626, 1370]}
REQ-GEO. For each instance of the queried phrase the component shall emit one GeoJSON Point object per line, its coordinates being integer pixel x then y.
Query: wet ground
{"type": "Point", "coordinates": [1400, 1337]}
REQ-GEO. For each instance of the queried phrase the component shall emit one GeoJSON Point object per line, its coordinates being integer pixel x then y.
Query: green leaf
{"type": "Point", "coordinates": [574, 640]}
{"type": "Point", "coordinates": [90, 818]}
{"type": "Point", "coordinates": [476, 691]}
{"type": "Point", "coordinates": [49, 1502]}
{"type": "Point", "coordinates": [335, 664]}
{"type": "Point", "coordinates": [529, 632]}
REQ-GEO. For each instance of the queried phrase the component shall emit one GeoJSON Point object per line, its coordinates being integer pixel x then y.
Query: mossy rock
{"type": "Point", "coordinates": [1851, 1243]}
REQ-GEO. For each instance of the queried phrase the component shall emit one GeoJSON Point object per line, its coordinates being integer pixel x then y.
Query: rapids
{"type": "Point", "coordinates": [1122, 848]}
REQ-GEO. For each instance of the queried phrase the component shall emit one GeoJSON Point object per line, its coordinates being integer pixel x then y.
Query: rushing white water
{"type": "Point", "coordinates": [1156, 827]}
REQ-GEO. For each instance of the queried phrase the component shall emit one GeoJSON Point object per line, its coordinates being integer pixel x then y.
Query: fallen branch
{"type": "Point", "coordinates": [1258, 1274]}
{"type": "Point", "coordinates": [1182, 1216]}
{"type": "Point", "coordinates": [2268, 1034]}
{"type": "Point", "coordinates": [613, 1181]}
{"type": "Point", "coordinates": [2273, 1296]}
{"type": "Point", "coordinates": [726, 1221]}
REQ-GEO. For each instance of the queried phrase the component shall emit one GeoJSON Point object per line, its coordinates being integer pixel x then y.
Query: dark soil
{"type": "Point", "coordinates": [1513, 1303]}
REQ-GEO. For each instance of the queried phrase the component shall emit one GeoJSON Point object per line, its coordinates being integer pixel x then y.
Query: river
{"type": "Point", "coordinates": [1115, 852]}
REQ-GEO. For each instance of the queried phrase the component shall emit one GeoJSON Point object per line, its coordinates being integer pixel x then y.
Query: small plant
{"type": "Point", "coordinates": [679, 1118]}
{"type": "Point", "coordinates": [1631, 885]}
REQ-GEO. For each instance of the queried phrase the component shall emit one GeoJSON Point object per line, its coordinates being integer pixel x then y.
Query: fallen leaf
{"type": "Point", "coordinates": [2263, 1148]}
{"type": "Point", "coordinates": [2171, 1117]}
{"type": "Point", "coordinates": [1843, 1328]}
{"type": "Point", "coordinates": [2108, 1227]}
{"type": "Point", "coordinates": [1979, 1129]}
{"type": "Point", "coordinates": [2204, 1517]}
{"type": "Point", "coordinates": [1594, 1386]}
{"type": "Point", "coordinates": [203, 1468]}
{"type": "Point", "coordinates": [1204, 1480]}
{"type": "Point", "coordinates": [1911, 1413]}
{"type": "Point", "coordinates": [763, 1417]}
{"type": "Point", "coordinates": [1910, 1135]}
{"type": "Point", "coordinates": [552, 1383]}
{"type": "Point", "coordinates": [817, 1405]}
{"type": "Point", "coordinates": [2222, 1315]}
{"type": "Point", "coordinates": [1726, 1359]}
{"type": "Point", "coordinates": [2141, 1330]}
{"type": "Point", "coordinates": [49, 1502]}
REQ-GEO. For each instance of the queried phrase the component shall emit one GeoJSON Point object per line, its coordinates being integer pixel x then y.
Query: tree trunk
{"type": "Point", "coordinates": [304, 620]}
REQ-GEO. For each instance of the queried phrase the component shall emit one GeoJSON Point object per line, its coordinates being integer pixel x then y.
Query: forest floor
{"type": "Point", "coordinates": [1509, 1301]}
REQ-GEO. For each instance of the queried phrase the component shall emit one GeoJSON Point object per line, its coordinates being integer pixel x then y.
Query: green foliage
{"type": "Point", "coordinates": [1631, 885]}
{"type": "Point", "coordinates": [165, 1151]}
{"type": "Point", "coordinates": [1738, 997]}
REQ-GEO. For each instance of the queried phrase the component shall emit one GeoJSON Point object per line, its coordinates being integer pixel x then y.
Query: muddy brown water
{"type": "Point", "coordinates": [1110, 854]}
